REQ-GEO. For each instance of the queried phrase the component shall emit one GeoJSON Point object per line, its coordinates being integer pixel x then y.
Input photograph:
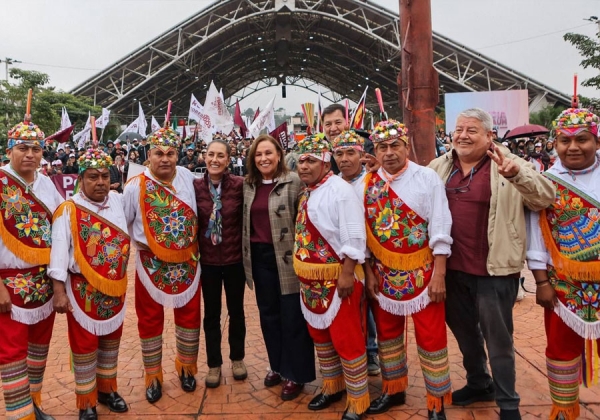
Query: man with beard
{"type": "Point", "coordinates": [28, 200]}
{"type": "Point", "coordinates": [329, 243]}
{"type": "Point", "coordinates": [160, 207]}
{"type": "Point", "coordinates": [88, 267]}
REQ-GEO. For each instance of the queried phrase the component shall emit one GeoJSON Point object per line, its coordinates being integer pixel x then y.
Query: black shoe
{"type": "Point", "coordinates": [373, 368]}
{"type": "Point", "coordinates": [40, 415]}
{"type": "Point", "coordinates": [88, 414]}
{"type": "Point", "coordinates": [351, 416]}
{"type": "Point", "coordinates": [436, 415]}
{"type": "Point", "coordinates": [188, 382]}
{"type": "Point", "coordinates": [385, 402]}
{"type": "Point", "coordinates": [322, 401]}
{"type": "Point", "coordinates": [467, 395]}
{"type": "Point", "coordinates": [154, 392]}
{"type": "Point", "coordinates": [510, 414]}
{"type": "Point", "coordinates": [113, 401]}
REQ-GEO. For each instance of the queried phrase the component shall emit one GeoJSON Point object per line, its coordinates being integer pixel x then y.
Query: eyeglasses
{"type": "Point", "coordinates": [462, 189]}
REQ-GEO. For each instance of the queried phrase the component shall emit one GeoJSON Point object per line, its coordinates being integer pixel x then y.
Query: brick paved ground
{"type": "Point", "coordinates": [249, 399]}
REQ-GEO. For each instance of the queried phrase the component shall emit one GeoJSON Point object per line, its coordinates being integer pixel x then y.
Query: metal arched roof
{"type": "Point", "coordinates": [249, 45]}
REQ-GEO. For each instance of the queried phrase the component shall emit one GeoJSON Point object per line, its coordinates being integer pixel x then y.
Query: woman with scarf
{"type": "Point", "coordinates": [219, 196]}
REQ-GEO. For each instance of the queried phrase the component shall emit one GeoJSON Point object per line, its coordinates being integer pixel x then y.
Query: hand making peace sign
{"type": "Point", "coordinates": [508, 168]}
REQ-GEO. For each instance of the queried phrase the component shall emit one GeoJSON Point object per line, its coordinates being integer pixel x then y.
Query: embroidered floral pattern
{"type": "Point", "coordinates": [28, 220]}
{"type": "Point", "coordinates": [30, 287]}
{"type": "Point", "coordinates": [397, 284]}
{"type": "Point", "coordinates": [172, 223]}
{"type": "Point", "coordinates": [96, 302]}
{"type": "Point", "coordinates": [317, 293]}
{"type": "Point", "coordinates": [169, 277]}
{"type": "Point", "coordinates": [581, 298]}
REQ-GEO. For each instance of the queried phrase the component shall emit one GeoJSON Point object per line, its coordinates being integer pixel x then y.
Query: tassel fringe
{"type": "Point", "coordinates": [588, 271]}
{"type": "Point", "coordinates": [569, 413]}
{"type": "Point", "coordinates": [32, 316]}
{"type": "Point", "coordinates": [358, 405]}
{"type": "Point", "coordinates": [31, 255]}
{"type": "Point", "coordinates": [151, 378]}
{"type": "Point", "coordinates": [84, 401]}
{"type": "Point", "coordinates": [404, 307]}
{"type": "Point", "coordinates": [396, 260]}
{"type": "Point", "coordinates": [333, 385]}
{"type": "Point", "coordinates": [36, 397]}
{"type": "Point", "coordinates": [189, 370]}
{"type": "Point", "coordinates": [437, 403]}
{"type": "Point", "coordinates": [169, 301]}
{"type": "Point", "coordinates": [587, 330]}
{"type": "Point", "coordinates": [96, 327]}
{"type": "Point", "coordinates": [106, 385]}
{"type": "Point", "coordinates": [313, 271]}
{"type": "Point", "coordinates": [322, 321]}
{"type": "Point", "coordinates": [394, 386]}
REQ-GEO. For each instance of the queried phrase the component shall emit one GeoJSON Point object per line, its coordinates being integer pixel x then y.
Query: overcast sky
{"type": "Point", "coordinates": [72, 40]}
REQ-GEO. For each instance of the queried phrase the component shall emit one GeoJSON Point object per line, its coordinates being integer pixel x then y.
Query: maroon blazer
{"type": "Point", "coordinates": [229, 251]}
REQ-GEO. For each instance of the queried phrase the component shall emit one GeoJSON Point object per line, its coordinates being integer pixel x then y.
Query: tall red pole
{"type": "Point", "coordinates": [418, 82]}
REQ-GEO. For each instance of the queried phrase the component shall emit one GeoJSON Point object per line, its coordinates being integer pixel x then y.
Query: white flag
{"type": "Point", "coordinates": [134, 127]}
{"type": "Point", "coordinates": [84, 135]}
{"type": "Point", "coordinates": [154, 125]}
{"type": "Point", "coordinates": [214, 106]}
{"type": "Point", "coordinates": [196, 110]}
{"type": "Point", "coordinates": [266, 118]}
{"type": "Point", "coordinates": [65, 121]}
{"type": "Point", "coordinates": [102, 122]}
{"type": "Point", "coordinates": [142, 123]}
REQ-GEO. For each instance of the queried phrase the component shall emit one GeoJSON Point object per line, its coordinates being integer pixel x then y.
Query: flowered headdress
{"type": "Point", "coordinates": [27, 133]}
{"type": "Point", "coordinates": [316, 146]}
{"type": "Point", "coordinates": [389, 130]}
{"type": "Point", "coordinates": [94, 159]}
{"type": "Point", "coordinates": [573, 121]}
{"type": "Point", "coordinates": [348, 139]}
{"type": "Point", "coordinates": [164, 137]}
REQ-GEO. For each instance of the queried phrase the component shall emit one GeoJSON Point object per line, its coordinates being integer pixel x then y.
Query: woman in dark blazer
{"type": "Point", "coordinates": [219, 197]}
{"type": "Point", "coordinates": [270, 206]}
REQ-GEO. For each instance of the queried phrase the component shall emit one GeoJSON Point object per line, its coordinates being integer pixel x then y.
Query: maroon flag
{"type": "Point", "coordinates": [61, 136]}
{"type": "Point", "coordinates": [281, 135]}
{"type": "Point", "coordinates": [238, 120]}
{"type": "Point", "coordinates": [65, 184]}
{"type": "Point", "coordinates": [256, 114]}
{"type": "Point", "coordinates": [183, 134]}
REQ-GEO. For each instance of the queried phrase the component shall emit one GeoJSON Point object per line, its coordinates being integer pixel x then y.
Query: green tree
{"type": "Point", "coordinates": [546, 115]}
{"type": "Point", "coordinates": [248, 113]}
{"type": "Point", "coordinates": [589, 48]}
{"type": "Point", "coordinates": [46, 104]}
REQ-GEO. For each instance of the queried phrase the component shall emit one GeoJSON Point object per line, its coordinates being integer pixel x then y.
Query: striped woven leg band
{"type": "Point", "coordinates": [188, 343]}
{"type": "Point", "coordinates": [106, 371]}
{"type": "Point", "coordinates": [84, 366]}
{"type": "Point", "coordinates": [331, 368]}
{"type": "Point", "coordinates": [563, 378]}
{"type": "Point", "coordinates": [357, 385]}
{"type": "Point", "coordinates": [17, 397]}
{"type": "Point", "coordinates": [152, 357]}
{"type": "Point", "coordinates": [436, 372]}
{"type": "Point", "coordinates": [37, 355]}
{"type": "Point", "coordinates": [394, 368]}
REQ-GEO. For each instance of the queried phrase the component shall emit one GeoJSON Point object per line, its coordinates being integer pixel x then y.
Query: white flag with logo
{"type": "Point", "coordinates": [214, 106]}
{"type": "Point", "coordinates": [65, 121]}
{"type": "Point", "coordinates": [102, 122]}
{"type": "Point", "coordinates": [154, 125]}
{"type": "Point", "coordinates": [196, 110]}
{"type": "Point", "coordinates": [266, 119]}
{"type": "Point", "coordinates": [142, 123]}
{"type": "Point", "coordinates": [84, 135]}
{"type": "Point", "coordinates": [132, 128]}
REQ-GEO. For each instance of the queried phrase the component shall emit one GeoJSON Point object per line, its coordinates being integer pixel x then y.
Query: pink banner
{"type": "Point", "coordinates": [65, 184]}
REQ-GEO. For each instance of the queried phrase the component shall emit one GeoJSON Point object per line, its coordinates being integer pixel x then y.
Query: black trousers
{"type": "Point", "coordinates": [214, 277]}
{"type": "Point", "coordinates": [289, 345]}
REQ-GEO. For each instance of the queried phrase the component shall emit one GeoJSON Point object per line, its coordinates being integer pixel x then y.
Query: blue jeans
{"type": "Point", "coordinates": [371, 333]}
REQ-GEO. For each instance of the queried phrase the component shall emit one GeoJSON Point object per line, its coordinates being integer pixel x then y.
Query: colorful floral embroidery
{"type": "Point", "coordinates": [105, 306]}
{"type": "Point", "coordinates": [171, 222]}
{"type": "Point", "coordinates": [317, 293]}
{"type": "Point", "coordinates": [581, 298]}
{"type": "Point", "coordinates": [169, 277]}
{"type": "Point", "coordinates": [31, 288]}
{"type": "Point", "coordinates": [397, 284]}
{"type": "Point", "coordinates": [107, 250]}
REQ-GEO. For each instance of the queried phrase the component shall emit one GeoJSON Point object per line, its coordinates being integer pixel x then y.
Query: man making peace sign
{"type": "Point", "coordinates": [487, 189]}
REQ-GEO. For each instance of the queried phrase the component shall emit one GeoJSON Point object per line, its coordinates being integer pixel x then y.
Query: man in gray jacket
{"type": "Point", "coordinates": [487, 188]}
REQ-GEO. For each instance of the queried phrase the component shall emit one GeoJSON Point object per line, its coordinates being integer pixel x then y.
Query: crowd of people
{"type": "Point", "coordinates": [443, 244]}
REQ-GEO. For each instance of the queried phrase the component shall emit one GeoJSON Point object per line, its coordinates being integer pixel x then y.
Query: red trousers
{"type": "Point", "coordinates": [151, 321]}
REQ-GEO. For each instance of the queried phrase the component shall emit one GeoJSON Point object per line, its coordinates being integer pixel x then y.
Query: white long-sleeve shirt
{"type": "Point", "coordinates": [423, 191]}
{"type": "Point", "coordinates": [44, 189]}
{"type": "Point", "coordinates": [184, 185]}
{"type": "Point", "coordinates": [337, 213]}
{"type": "Point", "coordinates": [538, 256]}
{"type": "Point", "coordinates": [62, 259]}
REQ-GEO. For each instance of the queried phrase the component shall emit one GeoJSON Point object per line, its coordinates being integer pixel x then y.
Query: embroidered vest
{"type": "Point", "coordinates": [101, 249]}
{"type": "Point", "coordinates": [398, 239]}
{"type": "Point", "coordinates": [571, 231]}
{"type": "Point", "coordinates": [30, 292]}
{"type": "Point", "coordinates": [170, 224]}
{"type": "Point", "coordinates": [26, 225]}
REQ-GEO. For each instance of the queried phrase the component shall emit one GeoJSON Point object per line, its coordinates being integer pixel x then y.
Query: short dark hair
{"type": "Point", "coordinates": [330, 109]}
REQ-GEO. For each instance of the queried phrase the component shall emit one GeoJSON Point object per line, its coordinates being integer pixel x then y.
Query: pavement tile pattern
{"type": "Point", "coordinates": [250, 400]}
